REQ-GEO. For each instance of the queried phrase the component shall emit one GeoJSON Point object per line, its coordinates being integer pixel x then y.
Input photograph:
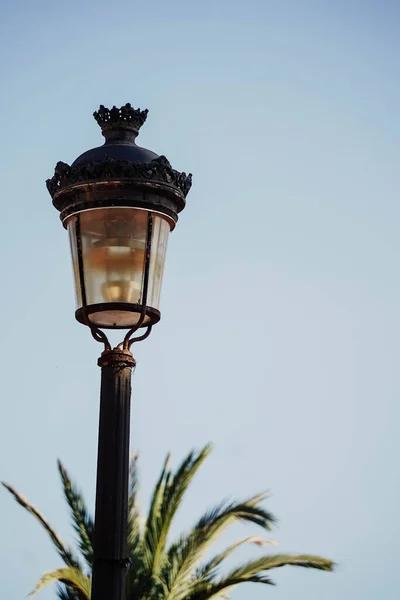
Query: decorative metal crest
{"type": "Point", "coordinates": [158, 170]}
{"type": "Point", "coordinates": [126, 116]}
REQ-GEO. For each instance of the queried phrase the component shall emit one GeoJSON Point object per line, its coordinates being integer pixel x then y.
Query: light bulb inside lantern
{"type": "Point", "coordinates": [119, 262]}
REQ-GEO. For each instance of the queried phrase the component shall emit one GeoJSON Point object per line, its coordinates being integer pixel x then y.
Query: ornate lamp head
{"type": "Point", "coordinates": [118, 201]}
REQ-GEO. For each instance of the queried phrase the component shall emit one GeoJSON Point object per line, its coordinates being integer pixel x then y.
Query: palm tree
{"type": "Point", "coordinates": [162, 570]}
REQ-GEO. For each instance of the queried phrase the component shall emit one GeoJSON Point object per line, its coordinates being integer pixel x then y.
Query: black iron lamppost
{"type": "Point", "coordinates": [118, 202]}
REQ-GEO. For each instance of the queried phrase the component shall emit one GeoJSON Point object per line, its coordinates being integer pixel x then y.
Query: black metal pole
{"type": "Point", "coordinates": [110, 561]}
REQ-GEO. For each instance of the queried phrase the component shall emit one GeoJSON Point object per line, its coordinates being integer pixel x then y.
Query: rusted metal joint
{"type": "Point", "coordinates": [118, 357]}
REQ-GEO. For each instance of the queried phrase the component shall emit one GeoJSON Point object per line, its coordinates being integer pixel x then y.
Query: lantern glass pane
{"type": "Point", "coordinates": [108, 247]}
{"type": "Point", "coordinates": [74, 256]}
{"type": "Point", "coordinates": [159, 243]}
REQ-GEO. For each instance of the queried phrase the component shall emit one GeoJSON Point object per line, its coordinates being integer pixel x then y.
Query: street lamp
{"type": "Point", "coordinates": [118, 202]}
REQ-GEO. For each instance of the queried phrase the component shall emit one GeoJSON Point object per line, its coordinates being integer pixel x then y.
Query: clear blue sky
{"type": "Point", "coordinates": [279, 340]}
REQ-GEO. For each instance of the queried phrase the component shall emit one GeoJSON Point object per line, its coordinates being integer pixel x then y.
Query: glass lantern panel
{"type": "Point", "coordinates": [75, 263]}
{"type": "Point", "coordinates": [159, 243]}
{"type": "Point", "coordinates": [112, 242]}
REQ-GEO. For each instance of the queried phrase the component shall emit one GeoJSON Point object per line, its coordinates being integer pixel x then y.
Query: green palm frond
{"type": "Point", "coordinates": [167, 497]}
{"type": "Point", "coordinates": [133, 476]}
{"type": "Point", "coordinates": [252, 572]}
{"type": "Point", "coordinates": [153, 523]}
{"type": "Point", "coordinates": [67, 592]}
{"type": "Point", "coordinates": [249, 510]}
{"type": "Point", "coordinates": [63, 550]}
{"type": "Point", "coordinates": [135, 551]}
{"type": "Point", "coordinates": [133, 509]}
{"type": "Point", "coordinates": [153, 519]}
{"type": "Point", "coordinates": [265, 563]}
{"type": "Point", "coordinates": [70, 576]}
{"type": "Point", "coordinates": [81, 519]}
{"type": "Point", "coordinates": [209, 590]}
{"type": "Point", "coordinates": [207, 571]}
{"type": "Point", "coordinates": [185, 554]}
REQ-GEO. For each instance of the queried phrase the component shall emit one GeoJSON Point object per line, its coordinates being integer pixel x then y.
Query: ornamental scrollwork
{"type": "Point", "coordinates": [158, 170]}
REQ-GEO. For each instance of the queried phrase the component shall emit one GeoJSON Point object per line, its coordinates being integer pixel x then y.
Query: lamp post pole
{"type": "Point", "coordinates": [110, 560]}
{"type": "Point", "coordinates": [118, 202]}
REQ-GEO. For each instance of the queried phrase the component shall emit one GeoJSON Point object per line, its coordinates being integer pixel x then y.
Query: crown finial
{"type": "Point", "coordinates": [120, 123]}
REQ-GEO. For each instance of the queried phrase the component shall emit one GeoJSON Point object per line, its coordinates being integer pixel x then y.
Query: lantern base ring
{"type": "Point", "coordinates": [152, 315]}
